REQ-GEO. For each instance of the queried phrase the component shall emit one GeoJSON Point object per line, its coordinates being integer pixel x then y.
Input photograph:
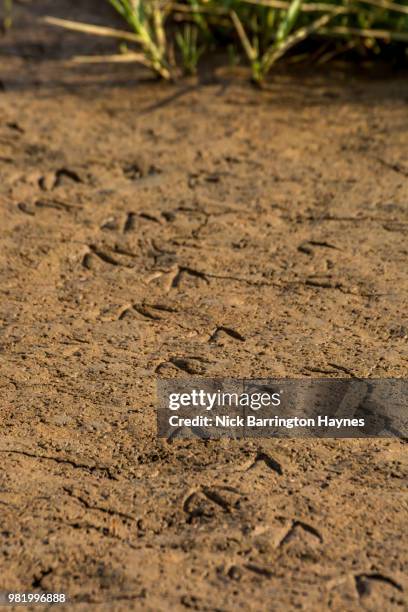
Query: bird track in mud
{"type": "Point", "coordinates": [190, 281]}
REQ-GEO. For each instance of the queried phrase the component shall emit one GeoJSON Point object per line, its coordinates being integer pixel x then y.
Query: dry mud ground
{"type": "Point", "coordinates": [207, 229]}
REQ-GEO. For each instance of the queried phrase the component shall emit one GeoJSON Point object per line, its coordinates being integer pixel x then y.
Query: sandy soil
{"type": "Point", "coordinates": [203, 228]}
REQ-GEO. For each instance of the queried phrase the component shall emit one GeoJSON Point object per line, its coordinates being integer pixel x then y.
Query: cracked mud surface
{"type": "Point", "coordinates": [211, 230]}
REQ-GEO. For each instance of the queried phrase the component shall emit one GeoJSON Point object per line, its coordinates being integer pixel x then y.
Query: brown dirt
{"type": "Point", "coordinates": [137, 220]}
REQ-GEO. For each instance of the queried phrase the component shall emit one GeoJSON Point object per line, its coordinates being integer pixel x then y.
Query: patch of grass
{"type": "Point", "coordinates": [171, 36]}
{"type": "Point", "coordinates": [7, 14]}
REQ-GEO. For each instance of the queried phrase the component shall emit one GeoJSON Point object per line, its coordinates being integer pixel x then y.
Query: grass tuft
{"type": "Point", "coordinates": [170, 36]}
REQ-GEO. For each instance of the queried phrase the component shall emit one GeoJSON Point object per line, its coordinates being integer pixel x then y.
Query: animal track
{"type": "Point", "coordinates": [362, 582]}
{"type": "Point", "coordinates": [191, 365]}
{"type": "Point", "coordinates": [138, 169]}
{"type": "Point", "coordinates": [130, 221]}
{"type": "Point", "coordinates": [182, 270]}
{"type": "Point", "coordinates": [26, 208]}
{"type": "Point", "coordinates": [232, 333]}
{"type": "Point", "coordinates": [204, 502]}
{"type": "Point", "coordinates": [295, 527]}
{"type": "Point", "coordinates": [50, 181]}
{"type": "Point", "coordinates": [307, 246]}
{"type": "Point", "coordinates": [269, 461]}
{"type": "Point", "coordinates": [259, 570]}
{"type": "Point", "coordinates": [57, 204]}
{"type": "Point", "coordinates": [149, 311]}
{"type": "Point", "coordinates": [105, 256]}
